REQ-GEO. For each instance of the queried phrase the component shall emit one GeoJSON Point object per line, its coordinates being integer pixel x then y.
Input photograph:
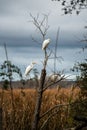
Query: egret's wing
{"type": "Point", "coordinates": [54, 77]}
{"type": "Point", "coordinates": [28, 69]}
{"type": "Point", "coordinates": [45, 44]}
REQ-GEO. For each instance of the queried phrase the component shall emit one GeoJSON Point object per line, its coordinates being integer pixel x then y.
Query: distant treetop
{"type": "Point", "coordinates": [73, 5]}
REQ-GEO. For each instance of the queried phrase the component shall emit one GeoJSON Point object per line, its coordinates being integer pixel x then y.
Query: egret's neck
{"type": "Point", "coordinates": [32, 64]}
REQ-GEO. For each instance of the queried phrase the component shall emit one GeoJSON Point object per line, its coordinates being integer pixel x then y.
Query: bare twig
{"type": "Point", "coordinates": [6, 51]}
{"type": "Point", "coordinates": [54, 83]}
{"type": "Point", "coordinates": [62, 105]}
{"type": "Point", "coordinates": [49, 117]}
{"type": "Point", "coordinates": [11, 88]}
{"type": "Point", "coordinates": [43, 28]}
{"type": "Point", "coordinates": [55, 54]}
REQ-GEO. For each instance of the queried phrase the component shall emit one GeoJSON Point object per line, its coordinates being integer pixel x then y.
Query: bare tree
{"type": "Point", "coordinates": [43, 30]}
{"type": "Point", "coordinates": [7, 69]}
{"type": "Point", "coordinates": [42, 26]}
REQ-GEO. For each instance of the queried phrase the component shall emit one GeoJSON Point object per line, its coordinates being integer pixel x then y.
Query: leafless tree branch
{"type": "Point", "coordinates": [49, 117]}
{"type": "Point", "coordinates": [61, 105]}
{"type": "Point", "coordinates": [53, 83]}
{"type": "Point", "coordinates": [43, 28]}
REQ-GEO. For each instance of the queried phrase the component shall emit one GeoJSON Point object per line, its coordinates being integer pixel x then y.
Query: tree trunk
{"type": "Point", "coordinates": [39, 101]}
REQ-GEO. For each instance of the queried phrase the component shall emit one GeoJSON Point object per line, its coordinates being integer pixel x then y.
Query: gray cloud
{"type": "Point", "coordinates": [19, 6]}
{"type": "Point", "coordinates": [16, 31]}
{"type": "Point", "coordinates": [14, 17]}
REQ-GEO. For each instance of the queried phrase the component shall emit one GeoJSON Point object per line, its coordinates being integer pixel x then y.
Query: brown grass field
{"type": "Point", "coordinates": [18, 112]}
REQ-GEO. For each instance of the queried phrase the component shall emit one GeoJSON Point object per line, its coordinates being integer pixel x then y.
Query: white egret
{"type": "Point", "coordinates": [29, 68]}
{"type": "Point", "coordinates": [45, 44]}
{"type": "Point", "coordinates": [54, 77]}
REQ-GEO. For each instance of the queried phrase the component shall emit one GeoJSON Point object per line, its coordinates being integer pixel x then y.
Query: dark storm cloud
{"type": "Point", "coordinates": [28, 42]}
{"type": "Point", "coordinates": [16, 42]}
{"type": "Point", "coordinates": [14, 16]}
{"type": "Point", "coordinates": [16, 31]}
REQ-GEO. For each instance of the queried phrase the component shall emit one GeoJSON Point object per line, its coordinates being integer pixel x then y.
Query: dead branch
{"type": "Point", "coordinates": [53, 83]}
{"type": "Point", "coordinates": [43, 28]}
{"type": "Point", "coordinates": [62, 105]}
{"type": "Point", "coordinates": [49, 117]}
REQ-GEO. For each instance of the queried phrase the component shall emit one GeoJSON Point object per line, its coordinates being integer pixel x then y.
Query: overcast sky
{"type": "Point", "coordinates": [16, 31]}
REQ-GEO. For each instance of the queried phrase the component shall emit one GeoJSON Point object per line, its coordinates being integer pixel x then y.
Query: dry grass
{"type": "Point", "coordinates": [24, 104]}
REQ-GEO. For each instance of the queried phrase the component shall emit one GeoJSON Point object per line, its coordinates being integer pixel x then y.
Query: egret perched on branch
{"type": "Point", "coordinates": [45, 44]}
{"type": "Point", "coordinates": [29, 68]}
{"type": "Point", "coordinates": [54, 77]}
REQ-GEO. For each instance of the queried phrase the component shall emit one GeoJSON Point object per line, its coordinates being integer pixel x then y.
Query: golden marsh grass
{"type": "Point", "coordinates": [24, 104]}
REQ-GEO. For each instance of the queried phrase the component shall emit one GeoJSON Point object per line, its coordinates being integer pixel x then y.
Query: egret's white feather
{"type": "Point", "coordinates": [45, 44]}
{"type": "Point", "coordinates": [54, 77]}
{"type": "Point", "coordinates": [29, 68]}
